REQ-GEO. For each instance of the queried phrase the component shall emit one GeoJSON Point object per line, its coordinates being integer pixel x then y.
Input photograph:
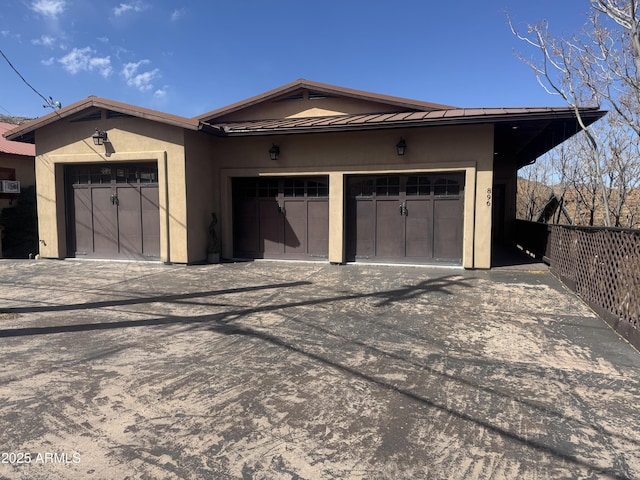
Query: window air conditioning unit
{"type": "Point", "coordinates": [9, 186]}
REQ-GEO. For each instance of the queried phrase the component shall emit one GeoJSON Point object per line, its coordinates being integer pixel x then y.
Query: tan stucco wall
{"type": "Point", "coordinates": [130, 140]}
{"type": "Point", "coordinates": [295, 108]}
{"type": "Point", "coordinates": [461, 148]}
{"type": "Point", "coordinates": [203, 198]}
{"type": "Point", "coordinates": [483, 214]}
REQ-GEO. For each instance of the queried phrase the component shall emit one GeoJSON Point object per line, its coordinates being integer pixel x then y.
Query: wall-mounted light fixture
{"type": "Point", "coordinates": [99, 137]}
{"type": "Point", "coordinates": [401, 146]}
{"type": "Point", "coordinates": [274, 151]}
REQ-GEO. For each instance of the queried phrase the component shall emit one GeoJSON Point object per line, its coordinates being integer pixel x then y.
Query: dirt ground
{"type": "Point", "coordinates": [278, 370]}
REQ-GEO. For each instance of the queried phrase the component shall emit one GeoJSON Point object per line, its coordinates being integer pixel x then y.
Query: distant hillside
{"type": "Point", "coordinates": [14, 120]}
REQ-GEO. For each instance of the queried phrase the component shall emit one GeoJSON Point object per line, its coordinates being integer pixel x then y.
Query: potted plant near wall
{"type": "Point", "coordinates": [213, 250]}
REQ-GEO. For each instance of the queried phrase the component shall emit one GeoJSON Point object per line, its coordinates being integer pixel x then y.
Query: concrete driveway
{"type": "Point", "coordinates": [272, 370]}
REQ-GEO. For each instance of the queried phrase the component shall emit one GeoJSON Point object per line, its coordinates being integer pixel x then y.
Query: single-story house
{"type": "Point", "coordinates": [304, 171]}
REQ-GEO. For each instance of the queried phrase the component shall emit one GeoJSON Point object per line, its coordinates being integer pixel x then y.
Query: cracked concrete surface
{"type": "Point", "coordinates": [276, 370]}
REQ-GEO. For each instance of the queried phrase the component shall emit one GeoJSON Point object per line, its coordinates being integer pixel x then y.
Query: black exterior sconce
{"type": "Point", "coordinates": [401, 146]}
{"type": "Point", "coordinates": [100, 137]}
{"type": "Point", "coordinates": [274, 152]}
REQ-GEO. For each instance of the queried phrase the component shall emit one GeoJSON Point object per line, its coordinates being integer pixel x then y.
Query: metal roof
{"type": "Point", "coordinates": [399, 119]}
{"type": "Point", "coordinates": [523, 134]}
{"type": "Point", "coordinates": [14, 148]}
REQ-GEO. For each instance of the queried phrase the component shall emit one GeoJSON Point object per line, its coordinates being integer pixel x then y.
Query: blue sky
{"type": "Point", "coordinates": [187, 58]}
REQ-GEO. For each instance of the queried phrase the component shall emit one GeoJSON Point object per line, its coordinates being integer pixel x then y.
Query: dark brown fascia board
{"type": "Point", "coordinates": [322, 88]}
{"type": "Point", "coordinates": [24, 132]}
{"type": "Point", "coordinates": [591, 114]}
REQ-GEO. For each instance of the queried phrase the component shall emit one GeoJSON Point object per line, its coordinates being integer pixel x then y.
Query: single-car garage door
{"type": "Point", "coordinates": [281, 218]}
{"type": "Point", "coordinates": [415, 218]}
{"type": "Point", "coordinates": [113, 211]}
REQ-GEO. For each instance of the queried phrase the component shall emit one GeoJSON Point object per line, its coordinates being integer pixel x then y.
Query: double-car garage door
{"type": "Point", "coordinates": [415, 218]}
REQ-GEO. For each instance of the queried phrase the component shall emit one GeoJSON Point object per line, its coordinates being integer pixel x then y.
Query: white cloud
{"type": "Point", "coordinates": [177, 14]}
{"type": "Point", "coordinates": [102, 65]}
{"type": "Point", "coordinates": [49, 8]}
{"type": "Point", "coordinates": [48, 62]}
{"type": "Point", "coordinates": [45, 41]}
{"type": "Point", "coordinates": [9, 34]}
{"type": "Point", "coordinates": [104, 40]}
{"type": "Point", "coordinates": [84, 59]}
{"type": "Point", "coordinates": [143, 80]}
{"type": "Point", "coordinates": [135, 6]}
{"type": "Point", "coordinates": [160, 93]}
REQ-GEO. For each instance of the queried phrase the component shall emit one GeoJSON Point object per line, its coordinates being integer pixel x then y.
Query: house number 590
{"type": "Point", "coordinates": [488, 197]}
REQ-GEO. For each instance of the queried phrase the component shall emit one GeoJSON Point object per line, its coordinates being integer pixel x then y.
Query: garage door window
{"type": "Point", "coordinates": [418, 185]}
{"type": "Point", "coordinates": [446, 187]}
{"type": "Point", "coordinates": [294, 188]}
{"type": "Point", "coordinates": [317, 189]}
{"type": "Point", "coordinates": [388, 186]}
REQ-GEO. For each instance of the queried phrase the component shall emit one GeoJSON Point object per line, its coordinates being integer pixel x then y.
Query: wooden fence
{"type": "Point", "coordinates": [602, 265]}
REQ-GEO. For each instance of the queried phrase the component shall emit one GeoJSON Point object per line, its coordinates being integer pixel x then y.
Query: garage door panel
{"type": "Point", "coordinates": [150, 204]}
{"type": "Point", "coordinates": [246, 222]}
{"type": "Point", "coordinates": [364, 229]}
{"type": "Point", "coordinates": [105, 238]}
{"type": "Point", "coordinates": [390, 240]}
{"type": "Point", "coordinates": [318, 227]}
{"type": "Point", "coordinates": [129, 221]}
{"type": "Point", "coordinates": [83, 221]}
{"type": "Point", "coordinates": [419, 228]}
{"type": "Point", "coordinates": [295, 226]}
{"type": "Point", "coordinates": [447, 222]}
{"type": "Point", "coordinates": [271, 227]}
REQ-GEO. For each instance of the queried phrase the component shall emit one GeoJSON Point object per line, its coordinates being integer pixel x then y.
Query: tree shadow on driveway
{"type": "Point", "coordinates": [387, 297]}
{"type": "Point", "coordinates": [177, 298]}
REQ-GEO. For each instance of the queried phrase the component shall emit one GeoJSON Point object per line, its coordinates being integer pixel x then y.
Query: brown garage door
{"type": "Point", "coordinates": [281, 218]}
{"type": "Point", "coordinates": [113, 211]}
{"type": "Point", "coordinates": [405, 218]}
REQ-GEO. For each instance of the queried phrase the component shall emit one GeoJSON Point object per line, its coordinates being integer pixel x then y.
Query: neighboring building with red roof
{"type": "Point", "coordinates": [16, 163]}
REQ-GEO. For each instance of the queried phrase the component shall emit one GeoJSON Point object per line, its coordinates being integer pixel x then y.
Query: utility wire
{"type": "Point", "coordinates": [49, 102]}
{"type": "Point", "coordinates": [11, 114]}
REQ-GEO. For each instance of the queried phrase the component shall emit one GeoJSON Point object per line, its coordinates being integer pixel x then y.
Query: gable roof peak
{"type": "Point", "coordinates": [25, 132]}
{"type": "Point", "coordinates": [302, 83]}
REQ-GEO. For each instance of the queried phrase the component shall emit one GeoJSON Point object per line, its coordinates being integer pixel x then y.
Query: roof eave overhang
{"type": "Point", "coordinates": [26, 133]}
{"type": "Point", "coordinates": [524, 141]}
{"type": "Point", "coordinates": [590, 115]}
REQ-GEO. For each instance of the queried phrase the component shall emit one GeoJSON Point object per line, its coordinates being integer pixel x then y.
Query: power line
{"type": "Point", "coordinates": [7, 111]}
{"type": "Point", "coordinates": [48, 102]}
